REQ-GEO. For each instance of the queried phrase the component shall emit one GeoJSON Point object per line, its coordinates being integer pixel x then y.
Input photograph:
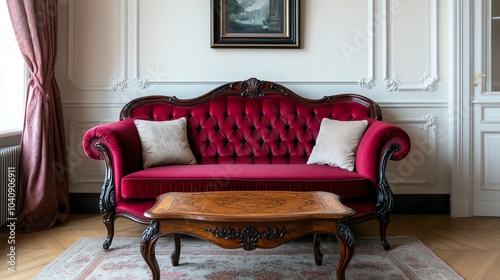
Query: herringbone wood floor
{"type": "Point", "coordinates": [470, 245]}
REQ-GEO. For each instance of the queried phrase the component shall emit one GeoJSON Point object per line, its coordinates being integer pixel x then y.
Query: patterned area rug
{"type": "Point", "coordinates": [408, 259]}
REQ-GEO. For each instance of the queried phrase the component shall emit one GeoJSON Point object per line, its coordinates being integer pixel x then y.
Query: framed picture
{"type": "Point", "coordinates": [255, 23]}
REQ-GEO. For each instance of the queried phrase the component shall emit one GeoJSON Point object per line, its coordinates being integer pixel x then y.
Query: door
{"type": "Point", "coordinates": [486, 109]}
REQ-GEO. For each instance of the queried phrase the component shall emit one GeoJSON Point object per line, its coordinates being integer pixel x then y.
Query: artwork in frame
{"type": "Point", "coordinates": [255, 23]}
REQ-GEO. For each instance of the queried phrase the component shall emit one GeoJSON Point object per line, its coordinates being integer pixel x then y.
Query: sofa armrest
{"type": "Point", "coordinates": [380, 143]}
{"type": "Point", "coordinates": [380, 138]}
{"type": "Point", "coordinates": [117, 143]}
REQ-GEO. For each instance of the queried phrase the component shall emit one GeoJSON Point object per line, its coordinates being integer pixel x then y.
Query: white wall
{"type": "Point", "coordinates": [396, 52]}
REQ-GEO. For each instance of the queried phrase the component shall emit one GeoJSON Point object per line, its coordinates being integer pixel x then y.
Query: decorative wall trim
{"type": "Point", "coordinates": [406, 104]}
{"type": "Point", "coordinates": [393, 83]}
{"type": "Point", "coordinates": [119, 80]}
{"type": "Point", "coordinates": [384, 104]}
{"type": "Point", "coordinates": [420, 166]}
{"type": "Point", "coordinates": [72, 83]}
{"type": "Point", "coordinates": [460, 88]}
{"type": "Point", "coordinates": [76, 158]}
{"type": "Point", "coordinates": [142, 82]}
{"type": "Point", "coordinates": [431, 123]}
{"type": "Point", "coordinates": [489, 102]}
{"type": "Point", "coordinates": [367, 83]}
{"type": "Point", "coordinates": [430, 83]}
{"type": "Point", "coordinates": [429, 80]}
{"type": "Point", "coordinates": [109, 105]}
{"type": "Point", "coordinates": [120, 85]}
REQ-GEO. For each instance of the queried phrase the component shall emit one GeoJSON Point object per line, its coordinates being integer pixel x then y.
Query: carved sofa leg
{"type": "Point", "coordinates": [385, 200]}
{"type": "Point", "coordinates": [107, 199]}
{"type": "Point", "coordinates": [384, 222]}
{"type": "Point", "coordinates": [109, 222]}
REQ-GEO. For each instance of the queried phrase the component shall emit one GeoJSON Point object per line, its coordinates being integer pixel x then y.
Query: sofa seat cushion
{"type": "Point", "coordinates": [150, 183]}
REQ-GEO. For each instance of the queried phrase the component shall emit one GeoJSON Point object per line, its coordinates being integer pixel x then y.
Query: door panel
{"type": "Point", "coordinates": [486, 108]}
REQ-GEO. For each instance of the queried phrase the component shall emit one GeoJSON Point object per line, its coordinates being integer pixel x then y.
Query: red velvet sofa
{"type": "Point", "coordinates": [247, 135]}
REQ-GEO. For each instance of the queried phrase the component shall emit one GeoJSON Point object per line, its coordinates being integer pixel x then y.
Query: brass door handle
{"type": "Point", "coordinates": [478, 78]}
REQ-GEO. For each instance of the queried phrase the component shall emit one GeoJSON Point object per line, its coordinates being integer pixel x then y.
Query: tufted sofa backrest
{"type": "Point", "coordinates": [268, 124]}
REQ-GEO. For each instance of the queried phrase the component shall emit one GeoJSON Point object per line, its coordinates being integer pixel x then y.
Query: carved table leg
{"type": "Point", "coordinates": [177, 250]}
{"type": "Point", "coordinates": [149, 238]}
{"type": "Point", "coordinates": [318, 256]}
{"type": "Point", "coordinates": [346, 242]}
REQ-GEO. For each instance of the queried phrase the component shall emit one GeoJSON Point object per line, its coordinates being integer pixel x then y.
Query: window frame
{"type": "Point", "coordinates": [14, 135]}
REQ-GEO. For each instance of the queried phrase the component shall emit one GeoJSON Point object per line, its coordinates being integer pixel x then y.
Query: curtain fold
{"type": "Point", "coordinates": [43, 197]}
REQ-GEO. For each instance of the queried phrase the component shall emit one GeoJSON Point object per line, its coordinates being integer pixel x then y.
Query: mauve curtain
{"type": "Point", "coordinates": [43, 197]}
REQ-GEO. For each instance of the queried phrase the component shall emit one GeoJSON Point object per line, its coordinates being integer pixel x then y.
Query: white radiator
{"type": "Point", "coordinates": [9, 162]}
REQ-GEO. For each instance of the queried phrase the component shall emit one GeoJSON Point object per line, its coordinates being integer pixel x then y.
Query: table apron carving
{"type": "Point", "coordinates": [249, 236]}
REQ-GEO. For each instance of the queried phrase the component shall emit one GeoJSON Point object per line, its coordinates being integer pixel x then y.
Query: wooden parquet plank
{"type": "Point", "coordinates": [489, 269]}
{"type": "Point", "coordinates": [470, 245]}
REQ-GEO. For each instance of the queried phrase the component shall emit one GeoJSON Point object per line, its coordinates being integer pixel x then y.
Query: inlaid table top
{"type": "Point", "coordinates": [248, 220]}
{"type": "Point", "coordinates": [248, 206]}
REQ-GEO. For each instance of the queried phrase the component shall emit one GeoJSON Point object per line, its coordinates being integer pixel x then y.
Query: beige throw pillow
{"type": "Point", "coordinates": [337, 143]}
{"type": "Point", "coordinates": [165, 142]}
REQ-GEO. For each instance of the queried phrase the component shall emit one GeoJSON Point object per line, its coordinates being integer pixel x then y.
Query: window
{"type": "Point", "coordinates": [12, 77]}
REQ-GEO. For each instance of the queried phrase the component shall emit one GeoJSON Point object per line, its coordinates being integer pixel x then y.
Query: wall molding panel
{"type": "Point", "coordinates": [394, 39]}
{"type": "Point", "coordinates": [160, 75]}
{"type": "Point", "coordinates": [84, 173]}
{"type": "Point", "coordinates": [420, 166]}
{"type": "Point", "coordinates": [369, 81]}
{"type": "Point", "coordinates": [83, 71]}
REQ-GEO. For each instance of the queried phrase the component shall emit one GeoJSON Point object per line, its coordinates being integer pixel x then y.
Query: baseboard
{"type": "Point", "coordinates": [84, 203]}
{"type": "Point", "coordinates": [421, 204]}
{"type": "Point", "coordinates": [88, 203]}
{"type": "Point", "coordinates": [460, 208]}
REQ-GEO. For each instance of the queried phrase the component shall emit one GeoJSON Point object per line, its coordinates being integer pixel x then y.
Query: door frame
{"type": "Point", "coordinates": [462, 66]}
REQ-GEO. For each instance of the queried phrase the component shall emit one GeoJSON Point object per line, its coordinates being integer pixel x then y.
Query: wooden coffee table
{"type": "Point", "coordinates": [248, 220]}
